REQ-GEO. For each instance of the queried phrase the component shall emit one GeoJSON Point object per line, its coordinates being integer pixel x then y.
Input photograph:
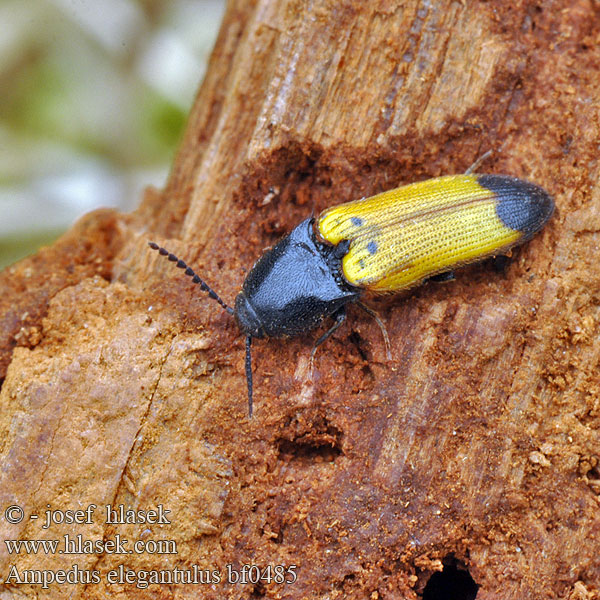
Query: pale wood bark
{"type": "Point", "coordinates": [478, 442]}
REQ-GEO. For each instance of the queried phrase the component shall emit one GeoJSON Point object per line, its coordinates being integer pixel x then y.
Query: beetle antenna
{"type": "Point", "coordinates": [190, 273]}
{"type": "Point", "coordinates": [249, 373]}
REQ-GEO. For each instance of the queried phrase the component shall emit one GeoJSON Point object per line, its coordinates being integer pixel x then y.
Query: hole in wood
{"type": "Point", "coordinates": [454, 582]}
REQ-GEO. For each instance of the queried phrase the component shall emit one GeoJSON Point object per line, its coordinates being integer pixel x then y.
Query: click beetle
{"type": "Point", "coordinates": [385, 243]}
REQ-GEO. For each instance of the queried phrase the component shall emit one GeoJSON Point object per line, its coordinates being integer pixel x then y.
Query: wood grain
{"type": "Point", "coordinates": [477, 445]}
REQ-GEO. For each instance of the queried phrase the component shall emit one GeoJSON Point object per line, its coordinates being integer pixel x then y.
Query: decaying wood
{"type": "Point", "coordinates": [477, 445]}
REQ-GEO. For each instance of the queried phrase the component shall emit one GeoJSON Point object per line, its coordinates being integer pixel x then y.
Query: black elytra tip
{"type": "Point", "coordinates": [521, 205]}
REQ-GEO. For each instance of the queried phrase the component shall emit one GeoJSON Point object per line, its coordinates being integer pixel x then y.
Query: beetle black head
{"type": "Point", "coordinates": [246, 317]}
{"type": "Point", "coordinates": [290, 290]}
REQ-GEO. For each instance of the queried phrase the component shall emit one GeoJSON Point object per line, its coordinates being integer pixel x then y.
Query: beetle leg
{"type": "Point", "coordinates": [478, 162]}
{"type": "Point", "coordinates": [340, 317]}
{"type": "Point", "coordinates": [386, 339]}
{"type": "Point", "coordinates": [443, 277]}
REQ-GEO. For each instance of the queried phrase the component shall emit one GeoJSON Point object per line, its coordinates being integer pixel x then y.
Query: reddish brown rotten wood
{"type": "Point", "coordinates": [478, 444]}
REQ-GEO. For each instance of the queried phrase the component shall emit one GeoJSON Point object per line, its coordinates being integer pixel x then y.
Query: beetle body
{"type": "Point", "coordinates": [405, 235]}
{"type": "Point", "coordinates": [385, 243]}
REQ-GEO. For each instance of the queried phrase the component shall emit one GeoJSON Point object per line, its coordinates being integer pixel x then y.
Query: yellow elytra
{"type": "Point", "coordinates": [404, 235]}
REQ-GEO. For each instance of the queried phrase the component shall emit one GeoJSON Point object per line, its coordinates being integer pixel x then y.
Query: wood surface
{"type": "Point", "coordinates": [476, 447]}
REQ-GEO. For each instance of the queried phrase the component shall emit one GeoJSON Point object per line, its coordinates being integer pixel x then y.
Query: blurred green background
{"type": "Point", "coordinates": [94, 98]}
